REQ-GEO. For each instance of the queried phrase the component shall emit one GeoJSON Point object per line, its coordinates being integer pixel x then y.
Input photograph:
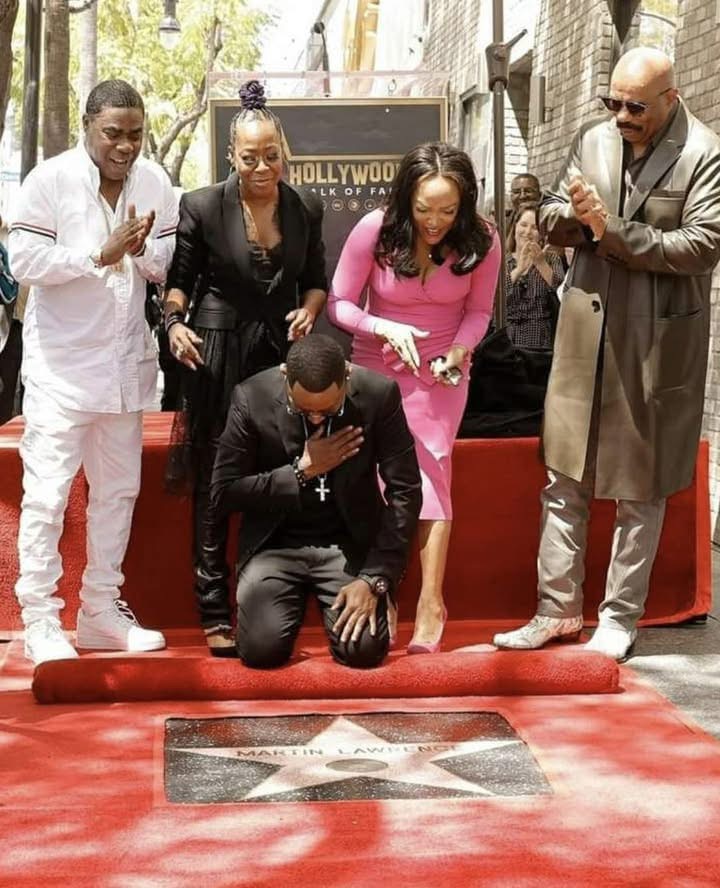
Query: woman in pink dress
{"type": "Point", "coordinates": [430, 266]}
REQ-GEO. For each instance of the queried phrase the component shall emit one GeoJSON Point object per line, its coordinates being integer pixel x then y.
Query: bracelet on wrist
{"type": "Point", "coordinates": [172, 318]}
{"type": "Point", "coordinates": [302, 478]}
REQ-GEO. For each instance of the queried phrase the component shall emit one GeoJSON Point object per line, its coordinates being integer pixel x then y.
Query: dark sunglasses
{"type": "Point", "coordinates": [293, 410]}
{"type": "Point", "coordinates": [634, 109]}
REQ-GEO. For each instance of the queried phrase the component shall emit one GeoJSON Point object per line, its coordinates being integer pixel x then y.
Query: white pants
{"type": "Point", "coordinates": [561, 559]}
{"type": "Point", "coordinates": [55, 443]}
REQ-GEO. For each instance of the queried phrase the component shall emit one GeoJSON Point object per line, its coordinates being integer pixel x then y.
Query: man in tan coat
{"type": "Point", "coordinates": [639, 200]}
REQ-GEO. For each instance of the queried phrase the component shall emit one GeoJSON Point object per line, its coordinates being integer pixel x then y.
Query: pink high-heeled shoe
{"type": "Point", "coordinates": [429, 647]}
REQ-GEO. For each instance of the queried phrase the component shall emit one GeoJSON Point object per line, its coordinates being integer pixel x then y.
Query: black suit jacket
{"type": "Point", "coordinates": [253, 472]}
{"type": "Point", "coordinates": [212, 259]}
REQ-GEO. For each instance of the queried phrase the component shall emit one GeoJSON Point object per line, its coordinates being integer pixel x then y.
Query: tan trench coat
{"type": "Point", "coordinates": [646, 285]}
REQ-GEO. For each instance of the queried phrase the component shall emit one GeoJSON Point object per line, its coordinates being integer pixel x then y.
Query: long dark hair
{"type": "Point", "coordinates": [470, 236]}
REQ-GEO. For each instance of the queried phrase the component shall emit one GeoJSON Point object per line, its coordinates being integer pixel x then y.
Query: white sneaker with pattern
{"type": "Point", "coordinates": [538, 632]}
{"type": "Point", "coordinates": [116, 629]}
{"type": "Point", "coordinates": [45, 640]}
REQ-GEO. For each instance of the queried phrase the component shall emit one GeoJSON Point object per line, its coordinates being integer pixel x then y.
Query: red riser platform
{"type": "Point", "coordinates": [491, 569]}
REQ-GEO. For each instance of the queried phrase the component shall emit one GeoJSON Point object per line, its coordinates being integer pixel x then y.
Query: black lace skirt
{"type": "Point", "coordinates": [230, 357]}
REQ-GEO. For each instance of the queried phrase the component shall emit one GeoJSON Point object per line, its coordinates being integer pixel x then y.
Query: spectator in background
{"type": "Point", "coordinates": [92, 225]}
{"type": "Point", "coordinates": [524, 188]}
{"type": "Point", "coordinates": [430, 265]}
{"type": "Point", "coordinates": [532, 276]}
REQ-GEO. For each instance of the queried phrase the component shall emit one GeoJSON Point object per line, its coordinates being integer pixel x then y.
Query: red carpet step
{"type": "Point", "coordinates": [493, 551]}
{"type": "Point", "coordinates": [454, 674]}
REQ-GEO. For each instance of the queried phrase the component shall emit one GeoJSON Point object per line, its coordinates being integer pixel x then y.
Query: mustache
{"type": "Point", "coordinates": [628, 127]}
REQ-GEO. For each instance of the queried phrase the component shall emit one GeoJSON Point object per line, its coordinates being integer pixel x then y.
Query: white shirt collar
{"type": "Point", "coordinates": [93, 172]}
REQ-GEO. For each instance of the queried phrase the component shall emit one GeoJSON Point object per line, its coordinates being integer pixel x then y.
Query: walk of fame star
{"type": "Point", "coordinates": [345, 749]}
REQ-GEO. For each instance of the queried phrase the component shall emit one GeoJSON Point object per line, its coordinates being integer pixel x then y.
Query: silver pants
{"type": "Point", "coordinates": [561, 557]}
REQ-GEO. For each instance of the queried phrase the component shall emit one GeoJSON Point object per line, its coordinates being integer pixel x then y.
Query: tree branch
{"type": "Point", "coordinates": [191, 117]}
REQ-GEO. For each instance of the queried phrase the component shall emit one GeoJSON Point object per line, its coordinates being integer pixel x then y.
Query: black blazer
{"type": "Point", "coordinates": [212, 259]}
{"type": "Point", "coordinates": [253, 472]}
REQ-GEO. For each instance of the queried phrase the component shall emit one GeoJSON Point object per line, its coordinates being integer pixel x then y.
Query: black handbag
{"type": "Point", "coordinates": [506, 389]}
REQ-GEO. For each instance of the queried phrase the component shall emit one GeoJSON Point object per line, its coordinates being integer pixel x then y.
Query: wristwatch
{"type": "Point", "coordinates": [378, 585]}
{"type": "Point", "coordinates": [96, 258]}
{"type": "Point", "coordinates": [302, 478]}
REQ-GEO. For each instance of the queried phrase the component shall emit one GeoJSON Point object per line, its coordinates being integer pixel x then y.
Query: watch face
{"type": "Point", "coordinates": [381, 586]}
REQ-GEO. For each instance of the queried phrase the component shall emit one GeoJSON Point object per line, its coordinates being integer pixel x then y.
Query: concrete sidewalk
{"type": "Point", "coordinates": [683, 662]}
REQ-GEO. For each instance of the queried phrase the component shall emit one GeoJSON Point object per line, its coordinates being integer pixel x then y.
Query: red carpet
{"type": "Point", "coordinates": [318, 678]}
{"type": "Point", "coordinates": [634, 802]}
{"type": "Point", "coordinates": [491, 569]}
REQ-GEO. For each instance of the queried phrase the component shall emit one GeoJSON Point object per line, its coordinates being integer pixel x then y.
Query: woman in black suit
{"type": "Point", "coordinates": [250, 257]}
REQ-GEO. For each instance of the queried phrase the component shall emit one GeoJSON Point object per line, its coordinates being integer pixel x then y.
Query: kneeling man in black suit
{"type": "Point", "coordinates": [300, 458]}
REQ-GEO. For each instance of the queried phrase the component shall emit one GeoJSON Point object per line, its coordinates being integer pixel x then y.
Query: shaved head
{"type": "Point", "coordinates": [644, 79]}
{"type": "Point", "coordinates": [645, 67]}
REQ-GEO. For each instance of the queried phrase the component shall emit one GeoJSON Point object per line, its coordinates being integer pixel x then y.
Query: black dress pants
{"type": "Point", "coordinates": [272, 593]}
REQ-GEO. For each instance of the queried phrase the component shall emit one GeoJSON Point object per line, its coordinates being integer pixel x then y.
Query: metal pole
{"type": "Point", "coordinates": [498, 65]}
{"type": "Point", "coordinates": [319, 28]}
{"type": "Point", "coordinates": [31, 100]}
{"type": "Point", "coordinates": [499, 166]}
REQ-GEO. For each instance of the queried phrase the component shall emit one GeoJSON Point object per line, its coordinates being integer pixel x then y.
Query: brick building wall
{"type": "Point", "coordinates": [458, 32]}
{"type": "Point", "coordinates": [573, 52]}
{"type": "Point", "coordinates": [452, 46]}
{"type": "Point", "coordinates": [698, 75]}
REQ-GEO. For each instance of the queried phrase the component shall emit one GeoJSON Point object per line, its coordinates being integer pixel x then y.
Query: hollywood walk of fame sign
{"type": "Point", "coordinates": [330, 757]}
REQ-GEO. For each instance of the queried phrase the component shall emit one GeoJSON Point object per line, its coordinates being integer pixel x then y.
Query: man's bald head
{"type": "Point", "coordinates": [645, 67]}
{"type": "Point", "coordinates": [645, 77]}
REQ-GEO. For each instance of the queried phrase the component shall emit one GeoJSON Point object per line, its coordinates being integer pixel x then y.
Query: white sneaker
{"type": "Point", "coordinates": [539, 631]}
{"type": "Point", "coordinates": [612, 642]}
{"type": "Point", "coordinates": [45, 640]}
{"type": "Point", "coordinates": [116, 629]}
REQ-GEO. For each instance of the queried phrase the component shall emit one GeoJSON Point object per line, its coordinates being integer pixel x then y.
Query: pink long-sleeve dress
{"type": "Point", "coordinates": [454, 309]}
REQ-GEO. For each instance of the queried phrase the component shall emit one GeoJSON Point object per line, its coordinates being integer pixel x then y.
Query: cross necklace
{"type": "Point", "coordinates": [322, 489]}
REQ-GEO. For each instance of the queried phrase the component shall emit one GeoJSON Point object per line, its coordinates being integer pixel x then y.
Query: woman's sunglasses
{"type": "Point", "coordinates": [634, 109]}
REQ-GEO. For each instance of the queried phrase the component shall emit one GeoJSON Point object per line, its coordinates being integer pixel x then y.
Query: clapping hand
{"type": "Point", "coordinates": [588, 206]}
{"type": "Point", "coordinates": [402, 339]}
{"type": "Point", "coordinates": [146, 223]}
{"type": "Point", "coordinates": [533, 251]}
{"type": "Point", "coordinates": [524, 260]}
{"type": "Point", "coordinates": [128, 237]}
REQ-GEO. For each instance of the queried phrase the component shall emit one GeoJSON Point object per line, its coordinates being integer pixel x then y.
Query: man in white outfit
{"type": "Point", "coordinates": [92, 226]}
